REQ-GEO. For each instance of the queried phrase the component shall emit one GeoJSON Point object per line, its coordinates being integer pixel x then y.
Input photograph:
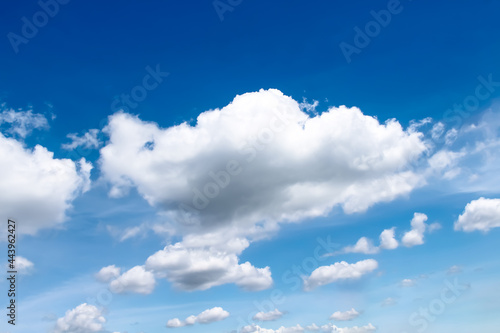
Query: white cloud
{"type": "Point", "coordinates": [445, 162]}
{"type": "Point", "coordinates": [127, 233]}
{"type": "Point", "coordinates": [135, 280]}
{"type": "Point", "coordinates": [437, 130]}
{"type": "Point", "coordinates": [89, 140]}
{"type": "Point", "coordinates": [206, 317]}
{"type": "Point", "coordinates": [241, 171]}
{"type": "Point", "coordinates": [212, 315]}
{"type": "Point", "coordinates": [408, 283]}
{"type": "Point", "coordinates": [389, 301]}
{"type": "Point", "coordinates": [82, 319]}
{"type": "Point", "coordinates": [481, 214]}
{"type": "Point", "coordinates": [257, 329]}
{"type": "Point", "coordinates": [200, 268]}
{"type": "Point", "coordinates": [176, 322]}
{"type": "Point", "coordinates": [330, 328]}
{"type": "Point", "coordinates": [339, 271]}
{"type": "Point", "coordinates": [108, 273]}
{"type": "Point", "coordinates": [416, 235]}
{"type": "Point", "coordinates": [172, 166]}
{"type": "Point", "coordinates": [388, 240]}
{"type": "Point", "coordinates": [22, 123]}
{"type": "Point", "coordinates": [345, 316]}
{"type": "Point", "coordinates": [434, 227]}
{"type": "Point", "coordinates": [454, 270]}
{"type": "Point", "coordinates": [313, 327]}
{"type": "Point", "coordinates": [363, 245]}
{"type": "Point", "coordinates": [34, 179]}
{"type": "Point", "coordinates": [23, 265]}
{"type": "Point", "coordinates": [268, 316]}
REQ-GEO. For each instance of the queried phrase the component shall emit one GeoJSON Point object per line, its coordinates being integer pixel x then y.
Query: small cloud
{"type": "Point", "coordinates": [345, 316]}
{"type": "Point", "coordinates": [108, 273]}
{"type": "Point", "coordinates": [22, 123]}
{"type": "Point", "coordinates": [135, 280]}
{"type": "Point", "coordinates": [339, 271]}
{"type": "Point", "coordinates": [481, 214]}
{"type": "Point", "coordinates": [268, 316]}
{"type": "Point", "coordinates": [416, 235]}
{"type": "Point", "coordinates": [206, 317]}
{"type": "Point", "coordinates": [389, 302]}
{"type": "Point", "coordinates": [434, 227]}
{"type": "Point", "coordinates": [406, 283]}
{"type": "Point", "coordinates": [88, 140]}
{"type": "Point", "coordinates": [84, 318]}
{"type": "Point", "coordinates": [454, 270]}
{"type": "Point", "coordinates": [363, 245]}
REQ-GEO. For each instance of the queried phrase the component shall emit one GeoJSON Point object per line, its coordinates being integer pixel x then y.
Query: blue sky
{"type": "Point", "coordinates": [298, 154]}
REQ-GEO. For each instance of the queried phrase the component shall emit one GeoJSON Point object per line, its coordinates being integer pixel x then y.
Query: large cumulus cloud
{"type": "Point", "coordinates": [242, 170]}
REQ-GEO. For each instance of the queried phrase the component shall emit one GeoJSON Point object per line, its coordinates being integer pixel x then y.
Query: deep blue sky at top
{"type": "Point", "coordinates": [422, 63]}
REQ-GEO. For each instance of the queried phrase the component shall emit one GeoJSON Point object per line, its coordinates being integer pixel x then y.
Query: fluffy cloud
{"type": "Point", "coordinates": [82, 319]}
{"type": "Point", "coordinates": [389, 302]}
{"type": "Point", "coordinates": [206, 317]}
{"type": "Point", "coordinates": [135, 280]}
{"type": "Point", "coordinates": [212, 315]}
{"type": "Point", "coordinates": [454, 270]}
{"type": "Point", "coordinates": [268, 316]}
{"type": "Point", "coordinates": [108, 273]}
{"type": "Point", "coordinates": [261, 158]}
{"type": "Point", "coordinates": [339, 271]}
{"type": "Point", "coordinates": [257, 329]}
{"type": "Point", "coordinates": [330, 328]}
{"type": "Point", "coordinates": [481, 214]}
{"type": "Point", "coordinates": [344, 316]}
{"type": "Point", "coordinates": [244, 169]}
{"type": "Point", "coordinates": [23, 265]}
{"type": "Point", "coordinates": [89, 140]}
{"type": "Point", "coordinates": [388, 240]}
{"type": "Point", "coordinates": [416, 235]}
{"type": "Point", "coordinates": [363, 245]}
{"type": "Point", "coordinates": [408, 283]}
{"type": "Point", "coordinates": [22, 123]}
{"type": "Point", "coordinates": [202, 268]}
{"type": "Point", "coordinates": [34, 178]}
